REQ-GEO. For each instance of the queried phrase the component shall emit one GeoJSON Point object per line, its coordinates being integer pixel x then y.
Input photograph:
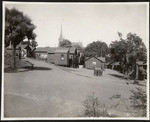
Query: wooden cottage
{"type": "Point", "coordinates": [95, 62]}
{"type": "Point", "coordinates": [73, 57]}
{"type": "Point", "coordinates": [51, 55]}
{"type": "Point", "coordinates": [62, 56]}
{"type": "Point", "coordinates": [141, 70]}
{"type": "Point", "coordinates": [115, 66]}
{"type": "Point", "coordinates": [41, 53]}
{"type": "Point", "coordinates": [23, 50]}
{"type": "Point", "coordinates": [30, 51]}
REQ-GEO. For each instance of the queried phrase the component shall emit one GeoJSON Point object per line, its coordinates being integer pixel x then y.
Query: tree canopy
{"type": "Point", "coordinates": [128, 51]}
{"type": "Point", "coordinates": [97, 48]}
{"type": "Point", "coordinates": [17, 27]}
{"type": "Point", "coordinates": [65, 43]}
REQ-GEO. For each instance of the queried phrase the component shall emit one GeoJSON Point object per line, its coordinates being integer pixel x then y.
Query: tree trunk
{"type": "Point", "coordinates": [13, 57]}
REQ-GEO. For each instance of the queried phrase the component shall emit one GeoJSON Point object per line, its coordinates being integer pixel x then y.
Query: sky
{"type": "Point", "coordinates": [85, 22]}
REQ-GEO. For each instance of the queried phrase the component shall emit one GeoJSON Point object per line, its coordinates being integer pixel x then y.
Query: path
{"type": "Point", "coordinates": [53, 91]}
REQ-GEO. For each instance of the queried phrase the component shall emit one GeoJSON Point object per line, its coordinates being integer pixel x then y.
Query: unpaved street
{"type": "Point", "coordinates": [52, 91]}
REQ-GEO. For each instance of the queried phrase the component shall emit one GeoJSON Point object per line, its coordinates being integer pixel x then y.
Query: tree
{"type": "Point", "coordinates": [97, 48]}
{"type": "Point", "coordinates": [65, 43]}
{"type": "Point", "coordinates": [34, 43]}
{"type": "Point", "coordinates": [128, 51]}
{"type": "Point", "coordinates": [17, 27]}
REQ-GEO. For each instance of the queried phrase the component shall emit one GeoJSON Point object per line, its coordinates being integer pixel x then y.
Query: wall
{"type": "Point", "coordinates": [90, 63]}
{"type": "Point", "coordinates": [58, 60]}
{"type": "Point", "coordinates": [51, 58]}
{"type": "Point", "coordinates": [41, 55]}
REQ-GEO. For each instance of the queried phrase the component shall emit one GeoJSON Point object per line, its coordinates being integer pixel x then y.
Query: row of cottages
{"type": "Point", "coordinates": [59, 56]}
{"type": "Point", "coordinates": [95, 62]}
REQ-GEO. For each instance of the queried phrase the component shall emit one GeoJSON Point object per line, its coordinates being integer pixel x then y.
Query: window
{"type": "Point", "coordinates": [93, 63]}
{"type": "Point", "coordinates": [62, 57]}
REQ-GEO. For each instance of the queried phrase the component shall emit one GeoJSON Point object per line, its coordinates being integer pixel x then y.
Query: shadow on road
{"type": "Point", "coordinates": [25, 69]}
{"type": "Point", "coordinates": [38, 68]}
{"type": "Point", "coordinates": [118, 76]}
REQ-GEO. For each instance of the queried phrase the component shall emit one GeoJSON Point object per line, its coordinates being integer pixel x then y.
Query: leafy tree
{"type": "Point", "coordinates": [17, 27]}
{"type": "Point", "coordinates": [128, 51]}
{"type": "Point", "coordinates": [34, 43]}
{"type": "Point", "coordinates": [97, 48]}
{"type": "Point", "coordinates": [65, 43]}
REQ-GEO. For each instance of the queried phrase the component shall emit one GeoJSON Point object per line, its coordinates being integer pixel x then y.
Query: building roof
{"type": "Point", "coordinates": [51, 50]}
{"type": "Point", "coordinates": [72, 50]}
{"type": "Point", "coordinates": [41, 49]}
{"type": "Point", "coordinates": [62, 50]}
{"type": "Point", "coordinates": [102, 59]}
{"type": "Point", "coordinates": [23, 46]}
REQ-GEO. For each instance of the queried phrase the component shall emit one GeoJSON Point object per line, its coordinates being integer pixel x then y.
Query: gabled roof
{"type": "Point", "coordinates": [102, 59]}
{"type": "Point", "coordinates": [41, 49]}
{"type": "Point", "coordinates": [62, 50]}
{"type": "Point", "coordinates": [72, 50]}
{"type": "Point", "coordinates": [51, 50]}
{"type": "Point", "coordinates": [23, 46]}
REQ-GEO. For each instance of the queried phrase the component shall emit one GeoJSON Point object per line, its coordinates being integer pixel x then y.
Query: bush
{"type": "Point", "coordinates": [93, 108]}
{"type": "Point", "coordinates": [139, 101]}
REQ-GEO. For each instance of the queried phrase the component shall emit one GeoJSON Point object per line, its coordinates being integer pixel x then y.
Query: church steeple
{"type": "Point", "coordinates": [61, 36]}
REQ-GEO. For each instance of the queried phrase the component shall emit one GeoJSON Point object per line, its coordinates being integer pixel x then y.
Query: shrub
{"type": "Point", "coordinates": [139, 101]}
{"type": "Point", "coordinates": [93, 107]}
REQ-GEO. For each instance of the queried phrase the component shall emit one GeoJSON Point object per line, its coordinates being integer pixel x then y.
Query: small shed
{"type": "Point", "coordinates": [95, 62]}
{"type": "Point", "coordinates": [73, 57]}
{"type": "Point", "coordinates": [115, 66]}
{"type": "Point", "coordinates": [141, 68]}
{"type": "Point", "coordinates": [62, 56]}
{"type": "Point", "coordinates": [23, 50]}
{"type": "Point", "coordinates": [30, 51]}
{"type": "Point", "coordinates": [41, 53]}
{"type": "Point", "coordinates": [51, 55]}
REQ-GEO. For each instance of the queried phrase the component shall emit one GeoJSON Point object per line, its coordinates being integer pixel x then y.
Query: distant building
{"type": "Point", "coordinates": [73, 57]}
{"type": "Point", "coordinates": [141, 70]}
{"type": "Point", "coordinates": [41, 53]}
{"type": "Point", "coordinates": [51, 55]}
{"type": "Point", "coordinates": [95, 62]}
{"type": "Point", "coordinates": [62, 56]}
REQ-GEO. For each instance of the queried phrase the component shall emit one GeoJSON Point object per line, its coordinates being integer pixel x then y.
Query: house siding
{"type": "Point", "coordinates": [58, 60]}
{"type": "Point", "coordinates": [51, 58]}
{"type": "Point", "coordinates": [89, 64]}
{"type": "Point", "coordinates": [41, 55]}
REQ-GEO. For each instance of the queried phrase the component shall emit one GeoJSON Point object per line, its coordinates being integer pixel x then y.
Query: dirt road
{"type": "Point", "coordinates": [52, 91]}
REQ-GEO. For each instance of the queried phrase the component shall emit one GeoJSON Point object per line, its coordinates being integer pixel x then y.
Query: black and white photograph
{"type": "Point", "coordinates": [75, 60]}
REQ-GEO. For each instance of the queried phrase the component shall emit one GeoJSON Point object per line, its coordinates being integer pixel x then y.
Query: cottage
{"type": "Point", "coordinates": [115, 66]}
{"type": "Point", "coordinates": [62, 56]}
{"type": "Point", "coordinates": [41, 53]}
{"type": "Point", "coordinates": [30, 51]}
{"type": "Point", "coordinates": [73, 57]}
{"type": "Point", "coordinates": [141, 68]}
{"type": "Point", "coordinates": [51, 55]}
{"type": "Point", "coordinates": [94, 62]}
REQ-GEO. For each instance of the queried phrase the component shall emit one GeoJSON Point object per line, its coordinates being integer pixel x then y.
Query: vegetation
{"type": "Point", "coordinates": [65, 43]}
{"type": "Point", "coordinates": [93, 108]}
{"type": "Point", "coordinates": [128, 51]}
{"type": "Point", "coordinates": [17, 27]}
{"type": "Point", "coordinates": [97, 48]}
{"type": "Point", "coordinates": [139, 101]}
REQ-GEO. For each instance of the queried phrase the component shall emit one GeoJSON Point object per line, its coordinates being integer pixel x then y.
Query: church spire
{"type": "Point", "coordinates": [61, 36]}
